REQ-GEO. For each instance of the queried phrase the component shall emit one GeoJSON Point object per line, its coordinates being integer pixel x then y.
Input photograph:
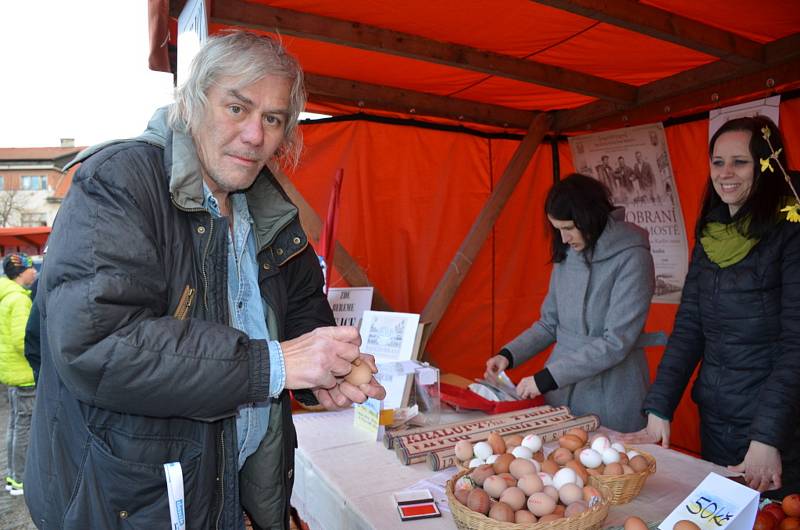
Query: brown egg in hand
{"type": "Point", "coordinates": [360, 374]}
{"type": "Point", "coordinates": [635, 523]}
{"type": "Point", "coordinates": [683, 524]}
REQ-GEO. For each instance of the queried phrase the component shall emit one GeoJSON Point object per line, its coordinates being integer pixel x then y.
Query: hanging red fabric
{"type": "Point", "coordinates": [327, 239]}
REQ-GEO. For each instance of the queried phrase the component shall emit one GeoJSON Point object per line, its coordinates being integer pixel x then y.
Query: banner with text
{"type": "Point", "coordinates": [634, 163]}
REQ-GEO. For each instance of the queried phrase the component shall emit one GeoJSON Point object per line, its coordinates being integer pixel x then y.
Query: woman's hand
{"type": "Point", "coordinates": [494, 366]}
{"type": "Point", "coordinates": [761, 467]}
{"type": "Point", "coordinates": [657, 430]}
{"type": "Point", "coordinates": [527, 389]}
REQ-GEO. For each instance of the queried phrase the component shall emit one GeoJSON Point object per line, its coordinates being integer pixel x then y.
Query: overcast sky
{"type": "Point", "coordinates": [75, 70]}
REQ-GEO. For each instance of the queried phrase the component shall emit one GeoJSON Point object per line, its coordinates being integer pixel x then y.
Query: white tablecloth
{"type": "Point", "coordinates": [344, 480]}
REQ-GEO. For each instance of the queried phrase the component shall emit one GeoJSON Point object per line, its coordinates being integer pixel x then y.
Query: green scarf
{"type": "Point", "coordinates": [723, 243]}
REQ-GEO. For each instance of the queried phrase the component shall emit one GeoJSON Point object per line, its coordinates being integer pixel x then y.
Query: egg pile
{"type": "Point", "coordinates": [511, 481]}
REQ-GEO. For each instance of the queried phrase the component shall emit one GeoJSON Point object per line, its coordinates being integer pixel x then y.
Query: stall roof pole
{"type": "Point", "coordinates": [465, 255]}
{"type": "Point", "coordinates": [347, 266]}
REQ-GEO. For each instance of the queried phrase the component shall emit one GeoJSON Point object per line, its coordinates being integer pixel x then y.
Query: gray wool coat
{"type": "Point", "coordinates": [595, 313]}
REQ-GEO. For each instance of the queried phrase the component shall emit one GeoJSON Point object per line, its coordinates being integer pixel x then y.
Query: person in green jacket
{"type": "Point", "coordinates": [15, 372]}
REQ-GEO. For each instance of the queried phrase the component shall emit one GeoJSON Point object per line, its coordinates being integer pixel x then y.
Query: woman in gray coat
{"type": "Point", "coordinates": [595, 309]}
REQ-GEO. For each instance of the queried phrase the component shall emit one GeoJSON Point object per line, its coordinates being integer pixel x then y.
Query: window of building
{"type": "Point", "coordinates": [33, 219]}
{"type": "Point", "coordinates": [34, 182]}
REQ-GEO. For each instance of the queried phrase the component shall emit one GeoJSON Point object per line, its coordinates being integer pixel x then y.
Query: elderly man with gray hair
{"type": "Point", "coordinates": [180, 303]}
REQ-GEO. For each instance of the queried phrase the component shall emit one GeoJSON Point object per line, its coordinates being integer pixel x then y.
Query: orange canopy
{"type": "Point", "coordinates": [21, 238]}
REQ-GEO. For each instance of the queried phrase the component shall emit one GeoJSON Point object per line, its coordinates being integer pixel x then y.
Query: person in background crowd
{"type": "Point", "coordinates": [32, 335]}
{"type": "Point", "coordinates": [739, 316]}
{"type": "Point", "coordinates": [180, 303]}
{"type": "Point", "coordinates": [595, 309]}
{"type": "Point", "coordinates": [15, 306]}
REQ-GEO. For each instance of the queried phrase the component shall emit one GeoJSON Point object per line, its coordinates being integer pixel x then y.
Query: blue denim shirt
{"type": "Point", "coordinates": [248, 314]}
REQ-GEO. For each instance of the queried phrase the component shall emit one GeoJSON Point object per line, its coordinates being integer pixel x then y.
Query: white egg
{"type": "Point", "coordinates": [547, 479]}
{"type": "Point", "coordinates": [618, 446]}
{"type": "Point", "coordinates": [475, 462]}
{"type": "Point", "coordinates": [590, 458]}
{"type": "Point", "coordinates": [631, 454]}
{"type": "Point", "coordinates": [565, 475]}
{"type": "Point", "coordinates": [600, 444]}
{"type": "Point", "coordinates": [482, 450]}
{"type": "Point", "coordinates": [532, 442]}
{"type": "Point", "coordinates": [522, 452]}
{"type": "Point", "coordinates": [492, 458]}
{"type": "Point", "coordinates": [610, 456]}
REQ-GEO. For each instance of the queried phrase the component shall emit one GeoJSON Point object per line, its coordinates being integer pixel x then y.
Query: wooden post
{"type": "Point", "coordinates": [465, 255]}
{"type": "Point", "coordinates": [342, 260]}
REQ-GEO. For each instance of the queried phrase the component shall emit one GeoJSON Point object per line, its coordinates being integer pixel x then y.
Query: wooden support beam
{"type": "Point", "coordinates": [347, 266]}
{"type": "Point", "coordinates": [462, 261]}
{"type": "Point", "coordinates": [696, 80]}
{"type": "Point", "coordinates": [322, 89]}
{"type": "Point", "coordinates": [667, 26]}
{"type": "Point", "coordinates": [757, 84]}
{"type": "Point", "coordinates": [356, 35]}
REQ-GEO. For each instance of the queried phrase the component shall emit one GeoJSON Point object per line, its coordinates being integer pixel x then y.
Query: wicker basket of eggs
{"type": "Point", "coordinates": [514, 494]}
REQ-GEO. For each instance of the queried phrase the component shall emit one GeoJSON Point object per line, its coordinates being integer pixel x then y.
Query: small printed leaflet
{"type": "Point", "coordinates": [717, 503]}
{"type": "Point", "coordinates": [177, 508]}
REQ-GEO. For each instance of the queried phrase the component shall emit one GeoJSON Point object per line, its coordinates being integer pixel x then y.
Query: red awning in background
{"type": "Point", "coordinates": [14, 238]}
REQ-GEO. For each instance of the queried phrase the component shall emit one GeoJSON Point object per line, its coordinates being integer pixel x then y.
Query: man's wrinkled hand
{"type": "Point", "coordinates": [317, 358]}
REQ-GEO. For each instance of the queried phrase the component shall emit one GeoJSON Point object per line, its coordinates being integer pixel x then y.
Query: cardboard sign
{"type": "Point", "coordinates": [717, 503]}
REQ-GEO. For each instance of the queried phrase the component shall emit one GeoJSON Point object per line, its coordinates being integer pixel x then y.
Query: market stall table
{"type": "Point", "coordinates": [344, 480]}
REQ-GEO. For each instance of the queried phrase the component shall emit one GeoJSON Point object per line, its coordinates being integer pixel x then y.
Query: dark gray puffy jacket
{"type": "Point", "coordinates": [124, 386]}
{"type": "Point", "coordinates": [742, 323]}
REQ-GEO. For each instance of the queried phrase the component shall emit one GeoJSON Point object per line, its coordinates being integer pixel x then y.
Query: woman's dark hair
{"type": "Point", "coordinates": [582, 200]}
{"type": "Point", "coordinates": [768, 189]}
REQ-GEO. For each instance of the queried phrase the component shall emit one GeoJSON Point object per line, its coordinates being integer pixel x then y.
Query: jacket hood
{"type": "Point", "coordinates": [619, 235]}
{"type": "Point", "coordinates": [270, 209]}
{"type": "Point", "coordinates": [10, 286]}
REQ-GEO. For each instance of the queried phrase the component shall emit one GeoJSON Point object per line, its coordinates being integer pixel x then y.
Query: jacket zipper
{"type": "Point", "coordinates": [203, 263]}
{"type": "Point", "coordinates": [221, 505]}
{"type": "Point", "coordinates": [185, 303]}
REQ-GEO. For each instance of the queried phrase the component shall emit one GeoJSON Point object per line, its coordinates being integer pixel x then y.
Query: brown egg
{"type": "Point", "coordinates": [501, 464]}
{"type": "Point", "coordinates": [550, 517]}
{"type": "Point", "coordinates": [360, 373]}
{"type": "Point", "coordinates": [613, 469]}
{"type": "Point", "coordinates": [594, 472]}
{"type": "Point", "coordinates": [481, 473]}
{"type": "Point", "coordinates": [627, 470]}
{"type": "Point", "coordinates": [589, 492]}
{"type": "Point", "coordinates": [550, 467]}
{"type": "Point", "coordinates": [540, 504]}
{"type": "Point", "coordinates": [635, 523]}
{"type": "Point", "coordinates": [462, 495]}
{"type": "Point", "coordinates": [579, 469]}
{"type": "Point", "coordinates": [463, 450]}
{"type": "Point", "coordinates": [501, 511]}
{"type": "Point", "coordinates": [513, 439]}
{"type": "Point", "coordinates": [559, 510]}
{"type": "Point", "coordinates": [539, 456]}
{"type": "Point", "coordinates": [510, 479]}
{"type": "Point", "coordinates": [497, 443]}
{"type": "Point", "coordinates": [524, 516]}
{"type": "Point", "coordinates": [576, 454]}
{"type": "Point", "coordinates": [638, 463]}
{"type": "Point", "coordinates": [683, 524]}
{"type": "Point", "coordinates": [561, 456]}
{"type": "Point", "coordinates": [551, 491]}
{"type": "Point", "coordinates": [495, 486]}
{"type": "Point", "coordinates": [514, 497]}
{"type": "Point", "coordinates": [579, 433]}
{"type": "Point", "coordinates": [576, 508]}
{"type": "Point", "coordinates": [569, 493]}
{"type": "Point", "coordinates": [530, 484]}
{"type": "Point", "coordinates": [521, 467]}
{"type": "Point", "coordinates": [478, 501]}
{"type": "Point", "coordinates": [571, 442]}
{"type": "Point", "coordinates": [623, 458]}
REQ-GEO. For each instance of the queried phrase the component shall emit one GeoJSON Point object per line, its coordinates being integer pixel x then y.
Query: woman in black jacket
{"type": "Point", "coordinates": [739, 316]}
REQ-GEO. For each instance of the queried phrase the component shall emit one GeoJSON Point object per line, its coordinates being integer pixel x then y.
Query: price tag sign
{"type": "Point", "coordinates": [367, 417]}
{"type": "Point", "coordinates": [717, 503]}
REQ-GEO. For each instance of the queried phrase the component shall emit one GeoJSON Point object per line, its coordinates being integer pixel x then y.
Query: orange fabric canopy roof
{"type": "Point", "coordinates": [29, 236]}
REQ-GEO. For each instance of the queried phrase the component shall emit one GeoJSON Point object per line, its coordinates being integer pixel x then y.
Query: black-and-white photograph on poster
{"type": "Point", "coordinates": [634, 163]}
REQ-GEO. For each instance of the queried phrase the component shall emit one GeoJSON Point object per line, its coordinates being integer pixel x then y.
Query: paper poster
{"type": "Point", "coordinates": [349, 303]}
{"type": "Point", "coordinates": [389, 336]}
{"type": "Point", "coordinates": [634, 163]}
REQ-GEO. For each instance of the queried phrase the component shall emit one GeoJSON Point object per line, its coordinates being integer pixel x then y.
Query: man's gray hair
{"type": "Point", "coordinates": [248, 57]}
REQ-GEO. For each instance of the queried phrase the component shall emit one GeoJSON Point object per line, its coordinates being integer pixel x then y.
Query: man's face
{"type": "Point", "coordinates": [241, 130]}
{"type": "Point", "coordinates": [621, 162]}
{"type": "Point", "coordinates": [605, 160]}
{"type": "Point", "coordinates": [27, 277]}
{"type": "Point", "coordinates": [638, 157]}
